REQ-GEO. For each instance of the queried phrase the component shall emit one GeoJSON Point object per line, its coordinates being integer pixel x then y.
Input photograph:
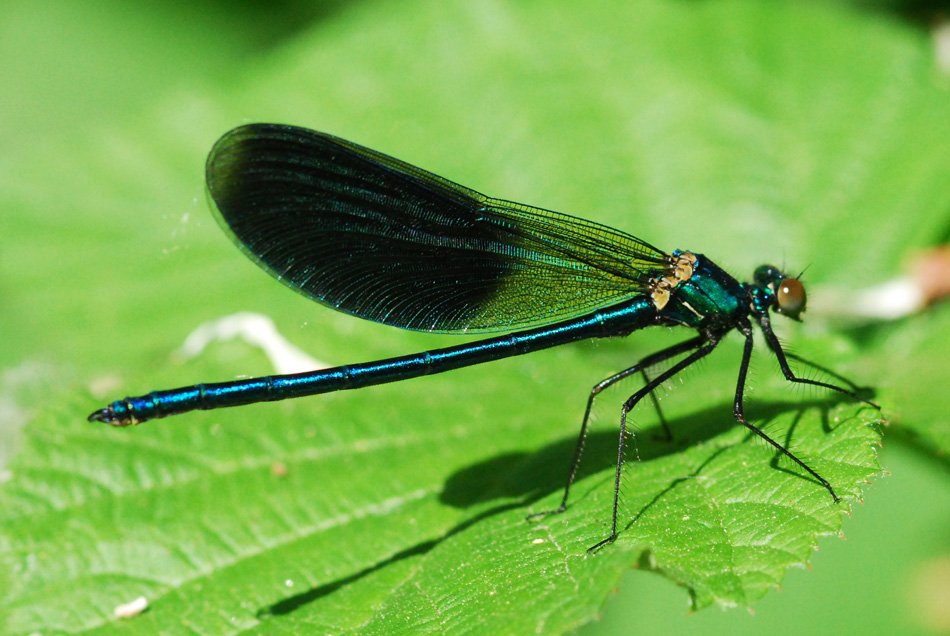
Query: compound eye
{"type": "Point", "coordinates": [790, 297]}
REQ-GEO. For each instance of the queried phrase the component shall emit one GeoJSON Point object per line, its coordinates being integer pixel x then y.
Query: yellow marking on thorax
{"type": "Point", "coordinates": [681, 270]}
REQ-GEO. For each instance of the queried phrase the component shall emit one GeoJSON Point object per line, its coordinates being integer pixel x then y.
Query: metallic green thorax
{"type": "Point", "coordinates": [709, 297]}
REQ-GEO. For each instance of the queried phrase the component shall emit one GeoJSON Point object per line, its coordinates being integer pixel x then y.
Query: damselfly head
{"type": "Point", "coordinates": [787, 294]}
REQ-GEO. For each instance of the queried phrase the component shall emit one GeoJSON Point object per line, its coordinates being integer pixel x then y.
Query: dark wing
{"type": "Point", "coordinates": [377, 238]}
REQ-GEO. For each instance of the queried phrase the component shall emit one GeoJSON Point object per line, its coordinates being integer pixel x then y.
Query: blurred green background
{"type": "Point", "coordinates": [700, 125]}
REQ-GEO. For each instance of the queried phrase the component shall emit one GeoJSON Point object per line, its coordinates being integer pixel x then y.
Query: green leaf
{"type": "Point", "coordinates": [914, 358]}
{"type": "Point", "coordinates": [750, 132]}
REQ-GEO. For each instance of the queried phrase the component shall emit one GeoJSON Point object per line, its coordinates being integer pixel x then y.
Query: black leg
{"type": "Point", "coordinates": [776, 348]}
{"type": "Point", "coordinates": [667, 432]}
{"type": "Point", "coordinates": [645, 363]}
{"type": "Point", "coordinates": [829, 372]}
{"type": "Point", "coordinates": [703, 350]}
{"type": "Point", "coordinates": [746, 330]}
